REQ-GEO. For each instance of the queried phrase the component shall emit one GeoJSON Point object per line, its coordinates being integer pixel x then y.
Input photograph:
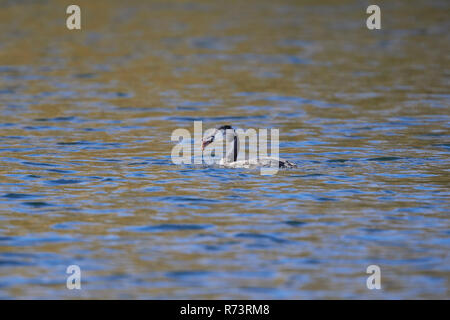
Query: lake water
{"type": "Point", "coordinates": [86, 176]}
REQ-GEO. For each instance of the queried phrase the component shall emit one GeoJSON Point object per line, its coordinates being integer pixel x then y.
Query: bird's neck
{"type": "Point", "coordinates": [231, 150]}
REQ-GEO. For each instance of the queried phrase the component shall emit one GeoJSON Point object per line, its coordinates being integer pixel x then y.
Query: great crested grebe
{"type": "Point", "coordinates": [230, 160]}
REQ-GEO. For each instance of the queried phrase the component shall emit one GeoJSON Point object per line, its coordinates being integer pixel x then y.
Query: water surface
{"type": "Point", "coordinates": [86, 176]}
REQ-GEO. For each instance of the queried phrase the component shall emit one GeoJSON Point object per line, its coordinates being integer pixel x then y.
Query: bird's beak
{"type": "Point", "coordinates": [205, 143]}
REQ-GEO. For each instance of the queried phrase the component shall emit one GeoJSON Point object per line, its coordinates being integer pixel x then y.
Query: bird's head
{"type": "Point", "coordinates": [219, 134]}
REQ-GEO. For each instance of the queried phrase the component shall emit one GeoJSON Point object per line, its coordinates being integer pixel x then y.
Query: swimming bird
{"type": "Point", "coordinates": [230, 160]}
